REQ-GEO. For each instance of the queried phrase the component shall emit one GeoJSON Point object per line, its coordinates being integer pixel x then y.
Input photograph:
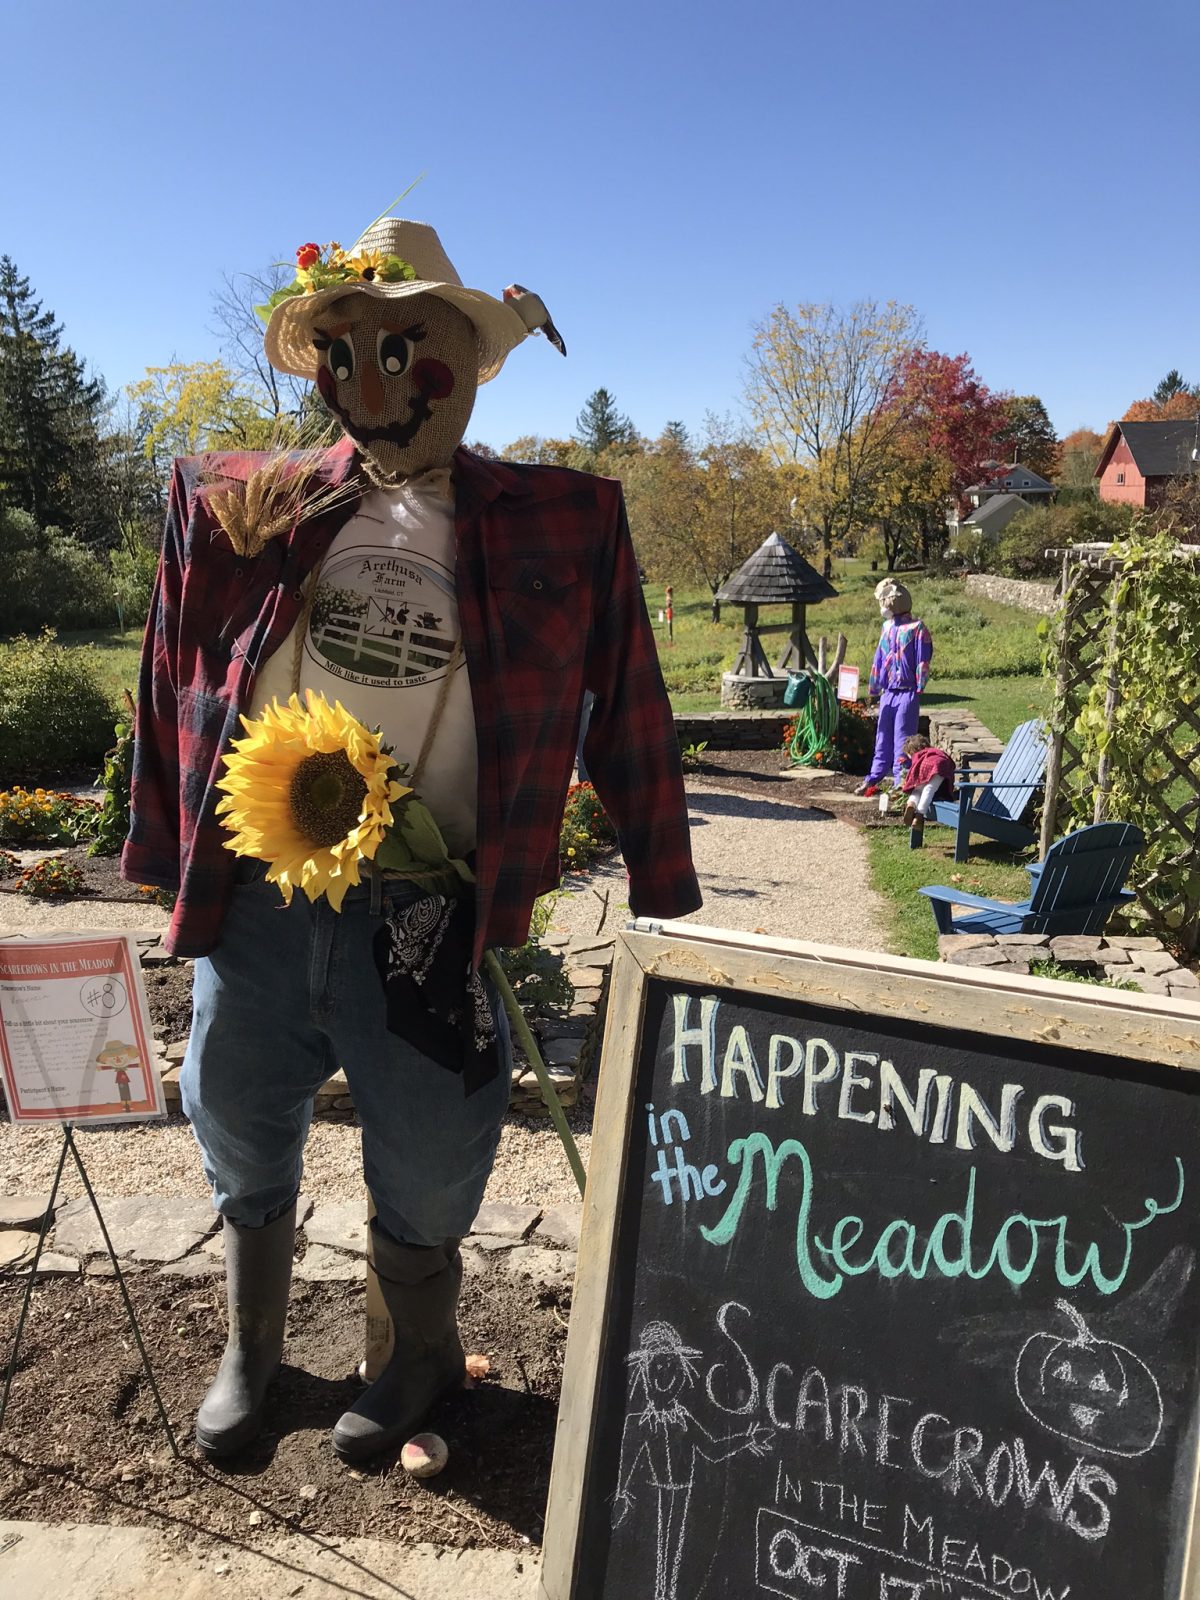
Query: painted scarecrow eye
{"type": "Point", "coordinates": [341, 359]}
{"type": "Point", "coordinates": [394, 352]}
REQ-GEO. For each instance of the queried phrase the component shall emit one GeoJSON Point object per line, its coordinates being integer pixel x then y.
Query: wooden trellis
{"type": "Point", "coordinates": [1168, 812]}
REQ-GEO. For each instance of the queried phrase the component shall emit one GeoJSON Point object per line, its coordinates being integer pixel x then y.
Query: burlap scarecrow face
{"type": "Point", "coordinates": [399, 375]}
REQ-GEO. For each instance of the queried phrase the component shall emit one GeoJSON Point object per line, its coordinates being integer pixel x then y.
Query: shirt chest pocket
{"type": "Point", "coordinates": [541, 603]}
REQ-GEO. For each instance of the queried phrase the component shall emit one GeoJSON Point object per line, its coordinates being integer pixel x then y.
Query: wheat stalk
{"type": "Point", "coordinates": [273, 498]}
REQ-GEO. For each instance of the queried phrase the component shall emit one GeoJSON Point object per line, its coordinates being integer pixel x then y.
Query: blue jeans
{"type": "Point", "coordinates": [290, 994]}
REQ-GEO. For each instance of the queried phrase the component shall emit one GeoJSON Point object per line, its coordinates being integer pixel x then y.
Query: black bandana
{"type": "Point", "coordinates": [435, 1000]}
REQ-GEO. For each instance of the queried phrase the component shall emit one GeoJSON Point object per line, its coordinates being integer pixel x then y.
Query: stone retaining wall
{"type": "Point", "coordinates": [1013, 592]}
{"type": "Point", "coordinates": [732, 730]}
{"type": "Point", "coordinates": [961, 733]}
{"type": "Point", "coordinates": [1136, 961]}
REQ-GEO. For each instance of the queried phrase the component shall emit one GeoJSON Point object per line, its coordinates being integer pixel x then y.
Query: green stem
{"type": "Point", "coordinates": [525, 1039]}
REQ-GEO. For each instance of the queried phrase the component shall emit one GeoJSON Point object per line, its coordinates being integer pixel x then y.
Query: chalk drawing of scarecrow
{"type": "Point", "coordinates": [118, 1058]}
{"type": "Point", "coordinates": [665, 1439]}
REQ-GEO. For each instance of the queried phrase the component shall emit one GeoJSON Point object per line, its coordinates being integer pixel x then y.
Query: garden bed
{"type": "Point", "coordinates": [83, 1443]}
{"type": "Point", "coordinates": [102, 878]}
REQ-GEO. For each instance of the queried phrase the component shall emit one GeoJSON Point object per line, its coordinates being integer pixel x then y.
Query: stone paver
{"type": "Point", "coordinates": [16, 1248]}
{"type": "Point", "coordinates": [23, 1210]}
{"type": "Point", "coordinates": [562, 1052]}
{"type": "Point", "coordinates": [561, 1226]}
{"type": "Point", "coordinates": [51, 1265]}
{"type": "Point", "coordinates": [321, 1264]}
{"type": "Point", "coordinates": [57, 1561]}
{"type": "Point", "coordinates": [1155, 962]}
{"type": "Point", "coordinates": [504, 1219]}
{"type": "Point", "coordinates": [1076, 947]}
{"type": "Point", "coordinates": [343, 1225]}
{"type": "Point", "coordinates": [586, 977]}
{"type": "Point", "coordinates": [158, 1228]}
{"type": "Point", "coordinates": [983, 956]}
{"type": "Point", "coordinates": [549, 1269]}
{"type": "Point", "coordinates": [197, 1266]}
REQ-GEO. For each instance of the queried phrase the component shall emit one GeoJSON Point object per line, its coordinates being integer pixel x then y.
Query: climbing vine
{"type": "Point", "coordinates": [1129, 710]}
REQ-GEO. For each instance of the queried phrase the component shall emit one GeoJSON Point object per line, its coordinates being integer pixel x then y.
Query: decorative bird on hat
{"type": "Point", "coordinates": [531, 309]}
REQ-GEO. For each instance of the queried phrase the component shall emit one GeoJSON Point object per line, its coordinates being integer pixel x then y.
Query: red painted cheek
{"type": "Point", "coordinates": [326, 384]}
{"type": "Point", "coordinates": [433, 378]}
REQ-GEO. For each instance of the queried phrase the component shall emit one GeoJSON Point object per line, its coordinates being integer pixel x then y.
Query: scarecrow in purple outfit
{"type": "Point", "coordinates": [899, 674]}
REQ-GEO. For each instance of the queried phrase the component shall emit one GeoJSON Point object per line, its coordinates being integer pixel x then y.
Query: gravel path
{"type": "Point", "coordinates": [765, 866]}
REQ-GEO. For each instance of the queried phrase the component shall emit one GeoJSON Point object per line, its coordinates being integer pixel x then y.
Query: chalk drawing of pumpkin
{"type": "Point", "coordinates": [1090, 1391]}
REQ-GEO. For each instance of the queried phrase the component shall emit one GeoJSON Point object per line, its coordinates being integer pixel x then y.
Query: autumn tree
{"type": "Point", "coordinates": [946, 426]}
{"type": "Point", "coordinates": [186, 408]}
{"type": "Point", "coordinates": [1179, 407]}
{"type": "Point", "coordinates": [663, 494]}
{"type": "Point", "coordinates": [745, 497]}
{"type": "Point", "coordinates": [817, 380]}
{"type": "Point", "coordinates": [1028, 435]}
{"type": "Point", "coordinates": [1079, 452]}
{"type": "Point", "coordinates": [541, 451]}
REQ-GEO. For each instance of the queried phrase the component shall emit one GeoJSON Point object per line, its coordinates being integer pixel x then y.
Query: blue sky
{"type": "Point", "coordinates": [661, 173]}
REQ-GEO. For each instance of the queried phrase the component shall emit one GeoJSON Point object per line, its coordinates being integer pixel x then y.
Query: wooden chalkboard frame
{"type": "Point", "coordinates": [1089, 1019]}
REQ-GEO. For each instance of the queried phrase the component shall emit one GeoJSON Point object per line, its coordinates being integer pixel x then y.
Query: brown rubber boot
{"type": "Point", "coordinates": [420, 1289]}
{"type": "Point", "coordinates": [258, 1275]}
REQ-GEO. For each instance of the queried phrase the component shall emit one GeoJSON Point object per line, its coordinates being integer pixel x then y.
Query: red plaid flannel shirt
{"type": "Point", "coordinates": [550, 605]}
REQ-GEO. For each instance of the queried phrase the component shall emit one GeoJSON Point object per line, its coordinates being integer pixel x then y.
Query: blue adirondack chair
{"type": "Point", "coordinates": [1074, 890]}
{"type": "Point", "coordinates": [995, 805]}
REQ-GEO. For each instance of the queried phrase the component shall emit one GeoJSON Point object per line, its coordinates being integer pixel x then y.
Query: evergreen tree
{"type": "Point", "coordinates": [676, 436]}
{"type": "Point", "coordinates": [50, 454]}
{"type": "Point", "coordinates": [600, 425]}
{"type": "Point", "coordinates": [1172, 385]}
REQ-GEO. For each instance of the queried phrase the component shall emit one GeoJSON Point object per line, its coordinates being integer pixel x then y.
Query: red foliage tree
{"type": "Point", "coordinates": [950, 413]}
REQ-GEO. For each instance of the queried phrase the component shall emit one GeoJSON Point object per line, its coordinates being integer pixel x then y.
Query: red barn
{"type": "Point", "coordinates": [1140, 459]}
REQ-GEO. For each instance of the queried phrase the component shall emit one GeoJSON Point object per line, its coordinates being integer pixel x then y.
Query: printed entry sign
{"type": "Point", "coordinates": [76, 1041]}
{"type": "Point", "coordinates": [847, 684]}
{"type": "Point", "coordinates": [888, 1285]}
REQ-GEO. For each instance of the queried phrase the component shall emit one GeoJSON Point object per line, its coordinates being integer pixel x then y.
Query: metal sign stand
{"type": "Point", "coordinates": [71, 1148]}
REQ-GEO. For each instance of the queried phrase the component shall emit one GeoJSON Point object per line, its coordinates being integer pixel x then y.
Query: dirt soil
{"type": "Point", "coordinates": [758, 773]}
{"type": "Point", "coordinates": [82, 1439]}
{"type": "Point", "coordinates": [169, 996]}
{"type": "Point", "coordinates": [102, 876]}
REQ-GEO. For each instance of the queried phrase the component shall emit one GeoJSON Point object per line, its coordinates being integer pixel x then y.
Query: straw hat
{"type": "Point", "coordinates": [499, 328]}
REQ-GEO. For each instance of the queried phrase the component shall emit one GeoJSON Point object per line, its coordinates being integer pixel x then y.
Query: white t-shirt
{"type": "Point", "coordinates": [381, 634]}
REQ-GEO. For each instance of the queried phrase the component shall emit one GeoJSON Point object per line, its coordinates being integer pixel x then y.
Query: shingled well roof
{"type": "Point", "coordinates": [776, 575]}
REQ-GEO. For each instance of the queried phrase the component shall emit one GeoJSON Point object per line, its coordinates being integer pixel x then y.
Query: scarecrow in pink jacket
{"type": "Point", "coordinates": [899, 674]}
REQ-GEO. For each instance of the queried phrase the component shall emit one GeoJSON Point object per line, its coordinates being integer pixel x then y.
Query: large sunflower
{"type": "Point", "coordinates": [308, 790]}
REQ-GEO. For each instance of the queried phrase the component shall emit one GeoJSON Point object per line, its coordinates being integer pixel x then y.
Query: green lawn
{"type": "Point", "coordinates": [116, 656]}
{"type": "Point", "coordinates": [999, 703]}
{"type": "Point", "coordinates": [898, 872]}
{"type": "Point", "coordinates": [985, 655]}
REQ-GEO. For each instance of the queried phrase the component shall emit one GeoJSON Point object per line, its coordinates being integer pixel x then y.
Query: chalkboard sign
{"type": "Point", "coordinates": [888, 1286]}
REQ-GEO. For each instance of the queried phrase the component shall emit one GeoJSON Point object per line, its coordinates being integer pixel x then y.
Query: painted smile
{"type": "Point", "coordinates": [397, 433]}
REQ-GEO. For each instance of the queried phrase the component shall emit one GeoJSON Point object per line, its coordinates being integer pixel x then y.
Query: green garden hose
{"type": "Point", "coordinates": [816, 724]}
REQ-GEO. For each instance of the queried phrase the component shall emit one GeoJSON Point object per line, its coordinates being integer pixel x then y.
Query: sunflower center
{"type": "Point", "coordinates": [326, 797]}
